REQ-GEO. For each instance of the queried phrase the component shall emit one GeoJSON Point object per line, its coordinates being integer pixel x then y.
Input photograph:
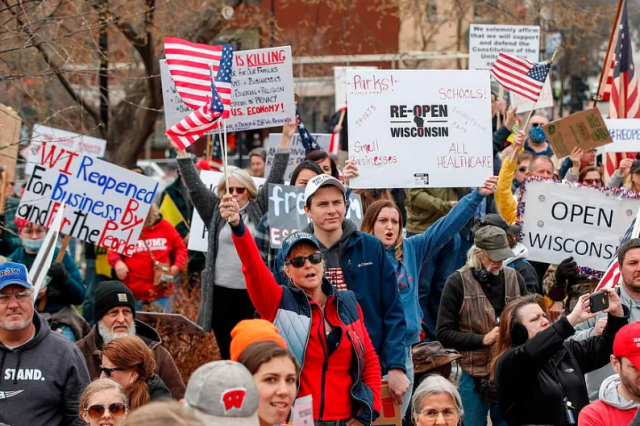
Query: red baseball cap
{"type": "Point", "coordinates": [627, 343]}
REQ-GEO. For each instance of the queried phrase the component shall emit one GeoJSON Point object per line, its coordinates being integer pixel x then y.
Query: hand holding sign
{"type": "Point", "coordinates": [350, 171]}
{"type": "Point", "coordinates": [625, 165]}
{"type": "Point", "coordinates": [576, 154]}
{"type": "Point", "coordinates": [490, 186]}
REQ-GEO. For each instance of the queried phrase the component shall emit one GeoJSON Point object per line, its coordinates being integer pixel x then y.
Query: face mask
{"type": "Point", "coordinates": [32, 245]}
{"type": "Point", "coordinates": [536, 134]}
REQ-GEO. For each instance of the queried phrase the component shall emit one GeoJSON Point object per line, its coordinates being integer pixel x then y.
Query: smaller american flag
{"type": "Point", "coordinates": [611, 277]}
{"type": "Point", "coordinates": [520, 75]}
{"type": "Point", "coordinates": [308, 142]}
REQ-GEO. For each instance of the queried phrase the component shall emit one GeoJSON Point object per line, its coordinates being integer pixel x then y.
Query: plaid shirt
{"type": "Point", "coordinates": [261, 237]}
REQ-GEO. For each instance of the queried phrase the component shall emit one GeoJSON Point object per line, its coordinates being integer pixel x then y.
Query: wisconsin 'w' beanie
{"type": "Point", "coordinates": [111, 294]}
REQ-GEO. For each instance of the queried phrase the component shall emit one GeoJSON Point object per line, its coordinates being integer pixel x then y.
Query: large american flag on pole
{"type": "Point", "coordinates": [611, 277]}
{"type": "Point", "coordinates": [520, 75]}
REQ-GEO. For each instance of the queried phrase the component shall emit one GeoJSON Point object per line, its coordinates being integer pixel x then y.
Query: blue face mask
{"type": "Point", "coordinates": [537, 135]}
{"type": "Point", "coordinates": [32, 245]}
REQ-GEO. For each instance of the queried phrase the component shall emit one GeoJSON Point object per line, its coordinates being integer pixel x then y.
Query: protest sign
{"type": "Point", "coordinates": [104, 204]}
{"type": "Point", "coordinates": [525, 105]}
{"type": "Point", "coordinates": [41, 264]}
{"type": "Point", "coordinates": [82, 144]}
{"type": "Point", "coordinates": [585, 129]}
{"type": "Point", "coordinates": [340, 84]}
{"type": "Point", "coordinates": [560, 220]}
{"type": "Point", "coordinates": [10, 124]}
{"type": "Point", "coordinates": [296, 152]}
{"type": "Point", "coordinates": [302, 412]}
{"type": "Point", "coordinates": [287, 215]}
{"type": "Point", "coordinates": [487, 41]}
{"type": "Point", "coordinates": [198, 237]}
{"type": "Point", "coordinates": [391, 414]}
{"type": "Point", "coordinates": [625, 134]}
{"type": "Point", "coordinates": [420, 128]}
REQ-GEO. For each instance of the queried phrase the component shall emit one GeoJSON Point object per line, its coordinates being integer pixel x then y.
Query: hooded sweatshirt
{"type": "Point", "coordinates": [519, 263]}
{"type": "Point", "coordinates": [42, 380]}
{"type": "Point", "coordinates": [611, 410]}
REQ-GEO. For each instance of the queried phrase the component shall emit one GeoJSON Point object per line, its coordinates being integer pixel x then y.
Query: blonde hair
{"type": "Point", "coordinates": [473, 259]}
{"type": "Point", "coordinates": [98, 386]}
{"type": "Point", "coordinates": [245, 180]}
{"type": "Point", "coordinates": [168, 413]}
{"type": "Point", "coordinates": [152, 216]}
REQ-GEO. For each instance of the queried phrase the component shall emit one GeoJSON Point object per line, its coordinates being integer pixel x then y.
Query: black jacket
{"type": "Point", "coordinates": [533, 379]}
{"type": "Point", "coordinates": [158, 391]}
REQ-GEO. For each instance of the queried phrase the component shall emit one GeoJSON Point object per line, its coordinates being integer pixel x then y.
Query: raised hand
{"type": "Point", "coordinates": [490, 186]}
{"type": "Point", "coordinates": [230, 210]}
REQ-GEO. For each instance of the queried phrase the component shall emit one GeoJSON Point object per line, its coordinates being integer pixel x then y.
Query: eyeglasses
{"type": "Point", "coordinates": [117, 409]}
{"type": "Point", "coordinates": [20, 297]}
{"type": "Point", "coordinates": [238, 190]}
{"type": "Point", "coordinates": [522, 169]}
{"type": "Point", "coordinates": [298, 262]}
{"type": "Point", "coordinates": [432, 415]}
{"type": "Point", "coordinates": [592, 181]}
{"type": "Point", "coordinates": [109, 371]}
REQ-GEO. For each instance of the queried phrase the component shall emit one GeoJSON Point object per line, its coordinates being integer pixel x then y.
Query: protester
{"type": "Point", "coordinates": [357, 261]}
{"type": "Point", "coordinates": [577, 161]}
{"type": "Point", "coordinates": [42, 374]}
{"type": "Point", "coordinates": [624, 169]}
{"type": "Point", "coordinates": [407, 255]}
{"type": "Point", "coordinates": [501, 135]}
{"type": "Point", "coordinates": [472, 301]}
{"type": "Point", "coordinates": [159, 243]}
{"type": "Point", "coordinates": [436, 401]}
{"type": "Point", "coordinates": [252, 331]}
{"type": "Point", "coordinates": [222, 274]}
{"type": "Point", "coordinates": [632, 181]}
{"type": "Point", "coordinates": [128, 361]}
{"type": "Point", "coordinates": [537, 143]}
{"type": "Point", "coordinates": [620, 393]}
{"type": "Point", "coordinates": [325, 162]}
{"type": "Point", "coordinates": [590, 176]}
{"type": "Point", "coordinates": [55, 299]}
{"type": "Point", "coordinates": [522, 170]}
{"type": "Point", "coordinates": [104, 402]}
{"type": "Point", "coordinates": [258, 161]}
{"type": "Point", "coordinates": [165, 413]}
{"type": "Point", "coordinates": [343, 375]}
{"type": "Point", "coordinates": [114, 312]}
{"type": "Point", "coordinates": [223, 393]}
{"type": "Point", "coordinates": [538, 371]}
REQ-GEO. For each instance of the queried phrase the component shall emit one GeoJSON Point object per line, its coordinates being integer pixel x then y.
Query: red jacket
{"type": "Point", "coordinates": [328, 378]}
{"type": "Point", "coordinates": [166, 245]}
{"type": "Point", "coordinates": [602, 414]}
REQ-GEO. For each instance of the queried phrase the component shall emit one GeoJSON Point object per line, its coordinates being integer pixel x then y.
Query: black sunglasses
{"type": "Point", "coordinates": [535, 124]}
{"type": "Point", "coordinates": [108, 371]}
{"type": "Point", "coordinates": [592, 181]}
{"type": "Point", "coordinates": [298, 262]}
{"type": "Point", "coordinates": [117, 409]}
{"type": "Point", "coordinates": [522, 169]}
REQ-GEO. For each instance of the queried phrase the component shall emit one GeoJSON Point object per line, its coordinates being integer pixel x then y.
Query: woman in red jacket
{"type": "Point", "coordinates": [324, 329]}
{"type": "Point", "coordinates": [159, 242]}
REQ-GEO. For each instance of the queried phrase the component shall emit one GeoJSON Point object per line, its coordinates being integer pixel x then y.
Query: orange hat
{"type": "Point", "coordinates": [256, 330]}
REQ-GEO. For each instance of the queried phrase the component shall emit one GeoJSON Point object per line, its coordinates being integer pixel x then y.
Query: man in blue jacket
{"type": "Point", "coordinates": [357, 261]}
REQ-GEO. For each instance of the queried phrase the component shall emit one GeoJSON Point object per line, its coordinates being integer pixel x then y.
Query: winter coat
{"type": "Point", "coordinates": [534, 378]}
{"type": "Point", "coordinates": [353, 365]}
{"type": "Point", "coordinates": [504, 197]}
{"type": "Point", "coordinates": [206, 203]}
{"type": "Point", "coordinates": [426, 205]}
{"type": "Point", "coordinates": [158, 391]}
{"type": "Point", "coordinates": [42, 380]}
{"type": "Point", "coordinates": [165, 366]}
{"type": "Point", "coordinates": [611, 410]}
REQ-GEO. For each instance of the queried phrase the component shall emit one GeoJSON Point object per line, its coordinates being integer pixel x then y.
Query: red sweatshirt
{"type": "Point", "coordinates": [166, 244]}
{"type": "Point", "coordinates": [601, 414]}
{"type": "Point", "coordinates": [326, 378]}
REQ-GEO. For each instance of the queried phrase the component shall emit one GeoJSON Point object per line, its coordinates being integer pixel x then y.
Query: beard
{"type": "Point", "coordinates": [109, 335]}
{"type": "Point", "coordinates": [16, 325]}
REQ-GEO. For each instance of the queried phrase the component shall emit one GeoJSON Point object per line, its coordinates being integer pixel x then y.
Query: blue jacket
{"type": "Point", "coordinates": [418, 249]}
{"type": "Point", "coordinates": [369, 274]}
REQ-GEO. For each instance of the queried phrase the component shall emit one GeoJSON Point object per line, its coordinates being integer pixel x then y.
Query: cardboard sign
{"type": "Point", "coordinates": [585, 129]}
{"type": "Point", "coordinates": [340, 84]}
{"type": "Point", "coordinates": [199, 236]}
{"type": "Point", "coordinates": [420, 128]}
{"type": "Point", "coordinates": [296, 153]}
{"type": "Point", "coordinates": [525, 105]}
{"type": "Point", "coordinates": [104, 204]}
{"type": "Point", "coordinates": [391, 414]}
{"type": "Point", "coordinates": [487, 41]}
{"type": "Point", "coordinates": [286, 212]}
{"type": "Point", "coordinates": [625, 134]}
{"type": "Point", "coordinates": [562, 220]}
{"type": "Point", "coordinates": [82, 144]}
{"type": "Point", "coordinates": [10, 124]}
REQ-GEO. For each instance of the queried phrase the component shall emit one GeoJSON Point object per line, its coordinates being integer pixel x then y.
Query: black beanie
{"type": "Point", "coordinates": [111, 294]}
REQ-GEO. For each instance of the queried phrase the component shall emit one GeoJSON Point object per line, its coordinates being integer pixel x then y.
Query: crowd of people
{"type": "Point", "coordinates": [338, 313]}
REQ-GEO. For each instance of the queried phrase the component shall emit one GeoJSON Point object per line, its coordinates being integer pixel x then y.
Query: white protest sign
{"type": "Point", "coordinates": [44, 258]}
{"type": "Point", "coordinates": [174, 108]}
{"type": "Point", "coordinates": [302, 412]}
{"type": "Point", "coordinates": [198, 238]}
{"type": "Point", "coordinates": [562, 220]}
{"type": "Point", "coordinates": [104, 204]}
{"type": "Point", "coordinates": [525, 105]}
{"type": "Point", "coordinates": [420, 128]}
{"type": "Point", "coordinates": [340, 84]}
{"type": "Point", "coordinates": [487, 41]}
{"type": "Point", "coordinates": [70, 141]}
{"type": "Point", "coordinates": [296, 152]}
{"type": "Point", "coordinates": [625, 134]}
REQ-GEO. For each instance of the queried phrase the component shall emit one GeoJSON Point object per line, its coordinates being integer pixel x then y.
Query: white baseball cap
{"type": "Point", "coordinates": [322, 180]}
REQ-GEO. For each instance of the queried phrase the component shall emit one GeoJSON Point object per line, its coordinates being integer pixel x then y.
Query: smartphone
{"type": "Point", "coordinates": [599, 301]}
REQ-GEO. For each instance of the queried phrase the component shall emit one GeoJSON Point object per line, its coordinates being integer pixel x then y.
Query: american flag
{"type": "Point", "coordinates": [612, 276]}
{"type": "Point", "coordinates": [308, 142]}
{"type": "Point", "coordinates": [218, 104]}
{"type": "Point", "coordinates": [624, 101]}
{"type": "Point", "coordinates": [520, 75]}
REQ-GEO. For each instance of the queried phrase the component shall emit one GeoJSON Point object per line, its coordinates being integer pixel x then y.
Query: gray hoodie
{"type": "Point", "coordinates": [609, 394]}
{"type": "Point", "coordinates": [42, 380]}
{"type": "Point", "coordinates": [333, 255]}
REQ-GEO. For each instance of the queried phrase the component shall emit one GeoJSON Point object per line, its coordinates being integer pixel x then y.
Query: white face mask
{"type": "Point", "coordinates": [32, 245]}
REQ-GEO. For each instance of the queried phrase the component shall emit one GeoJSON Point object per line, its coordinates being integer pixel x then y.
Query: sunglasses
{"type": "Point", "coordinates": [109, 371]}
{"type": "Point", "coordinates": [117, 409]}
{"type": "Point", "coordinates": [237, 190]}
{"type": "Point", "coordinates": [592, 181]}
{"type": "Point", "coordinates": [298, 262]}
{"type": "Point", "coordinates": [522, 169]}
{"type": "Point", "coordinates": [536, 124]}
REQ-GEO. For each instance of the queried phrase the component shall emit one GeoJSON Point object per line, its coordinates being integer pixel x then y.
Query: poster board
{"type": "Point", "coordinates": [420, 128]}
{"type": "Point", "coordinates": [340, 84]}
{"type": "Point", "coordinates": [287, 215]}
{"type": "Point", "coordinates": [104, 204]}
{"type": "Point", "coordinates": [563, 219]}
{"type": "Point", "coordinates": [10, 124]}
{"type": "Point", "coordinates": [296, 151]}
{"type": "Point", "coordinates": [525, 105]}
{"type": "Point", "coordinates": [198, 237]}
{"type": "Point", "coordinates": [625, 134]}
{"type": "Point", "coordinates": [487, 41]}
{"type": "Point", "coordinates": [585, 129]}
{"type": "Point", "coordinates": [391, 414]}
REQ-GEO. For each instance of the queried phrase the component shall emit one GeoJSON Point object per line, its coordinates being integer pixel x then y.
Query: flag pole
{"type": "Point", "coordinates": [605, 65]}
{"type": "Point", "coordinates": [226, 153]}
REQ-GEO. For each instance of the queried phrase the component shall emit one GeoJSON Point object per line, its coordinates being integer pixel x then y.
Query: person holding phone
{"type": "Point", "coordinates": [538, 370]}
